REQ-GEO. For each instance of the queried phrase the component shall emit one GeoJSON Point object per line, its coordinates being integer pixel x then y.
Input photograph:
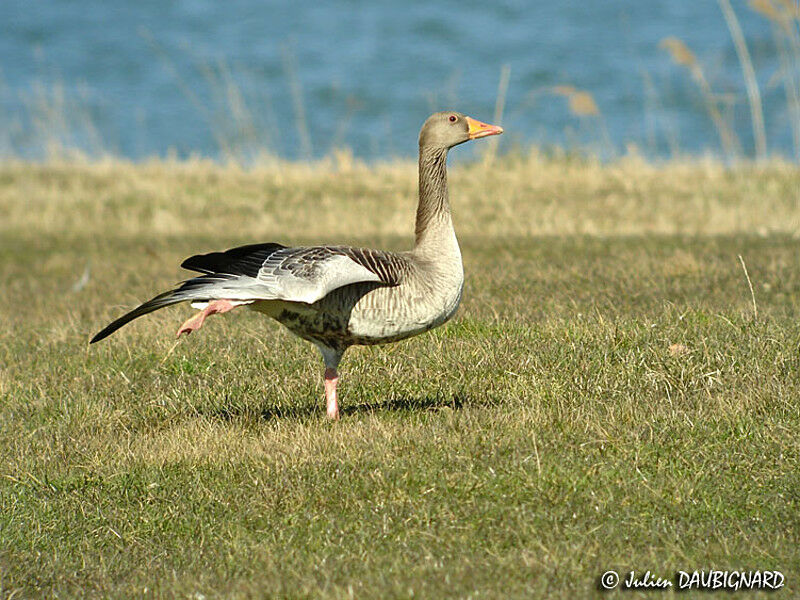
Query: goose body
{"type": "Point", "coordinates": [421, 298]}
{"type": "Point", "coordinates": [339, 296]}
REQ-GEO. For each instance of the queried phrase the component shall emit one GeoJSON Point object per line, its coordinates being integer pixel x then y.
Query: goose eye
{"type": "Point", "coordinates": [452, 118]}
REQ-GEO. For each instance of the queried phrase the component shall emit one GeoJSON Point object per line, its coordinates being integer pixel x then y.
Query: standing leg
{"type": "Point", "coordinates": [331, 358]}
{"type": "Point", "coordinates": [331, 379]}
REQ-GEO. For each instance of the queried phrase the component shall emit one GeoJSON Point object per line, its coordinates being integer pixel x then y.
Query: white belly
{"type": "Point", "coordinates": [389, 314]}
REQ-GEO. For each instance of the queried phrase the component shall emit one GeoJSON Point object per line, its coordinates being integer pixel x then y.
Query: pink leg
{"type": "Point", "coordinates": [331, 379]}
{"type": "Point", "coordinates": [196, 322]}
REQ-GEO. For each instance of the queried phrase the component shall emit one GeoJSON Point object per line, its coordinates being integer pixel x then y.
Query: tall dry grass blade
{"type": "Point", "coordinates": [343, 124]}
{"type": "Point", "coordinates": [563, 90]}
{"type": "Point", "coordinates": [94, 138]}
{"type": "Point", "coordinates": [582, 104]}
{"type": "Point", "coordinates": [290, 66]}
{"type": "Point", "coordinates": [787, 41]}
{"type": "Point", "coordinates": [753, 94]}
{"type": "Point", "coordinates": [750, 285]}
{"type": "Point", "coordinates": [790, 73]}
{"type": "Point", "coordinates": [766, 9]}
{"type": "Point", "coordinates": [792, 7]}
{"type": "Point", "coordinates": [62, 121]}
{"type": "Point", "coordinates": [246, 131]}
{"type": "Point", "coordinates": [682, 55]}
{"type": "Point", "coordinates": [680, 52]}
{"type": "Point", "coordinates": [652, 114]}
{"type": "Point", "coordinates": [170, 66]}
{"type": "Point", "coordinates": [187, 90]}
{"type": "Point", "coordinates": [499, 106]}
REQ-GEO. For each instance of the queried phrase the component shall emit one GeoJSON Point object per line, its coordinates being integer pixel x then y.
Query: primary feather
{"type": "Point", "coordinates": [270, 272]}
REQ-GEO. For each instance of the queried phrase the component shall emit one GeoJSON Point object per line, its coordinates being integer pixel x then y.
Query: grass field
{"type": "Point", "coordinates": [604, 398]}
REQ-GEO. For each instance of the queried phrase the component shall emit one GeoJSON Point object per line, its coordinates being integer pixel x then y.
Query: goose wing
{"type": "Point", "coordinates": [307, 274]}
{"type": "Point", "coordinates": [273, 272]}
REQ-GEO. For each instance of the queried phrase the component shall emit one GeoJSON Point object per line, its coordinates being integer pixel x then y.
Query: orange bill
{"type": "Point", "coordinates": [477, 129]}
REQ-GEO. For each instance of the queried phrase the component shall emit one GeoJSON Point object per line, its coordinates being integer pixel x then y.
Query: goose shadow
{"type": "Point", "coordinates": [394, 404]}
{"type": "Point", "coordinates": [409, 404]}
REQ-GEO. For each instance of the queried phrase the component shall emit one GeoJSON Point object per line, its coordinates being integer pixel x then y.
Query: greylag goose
{"type": "Point", "coordinates": [338, 296]}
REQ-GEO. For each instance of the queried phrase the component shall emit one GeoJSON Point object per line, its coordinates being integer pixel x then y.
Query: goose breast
{"type": "Point", "coordinates": [420, 303]}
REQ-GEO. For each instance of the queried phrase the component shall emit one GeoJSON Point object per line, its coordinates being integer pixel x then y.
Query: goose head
{"type": "Point", "coordinates": [449, 128]}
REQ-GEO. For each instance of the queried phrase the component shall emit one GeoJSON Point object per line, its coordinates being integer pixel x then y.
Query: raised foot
{"type": "Point", "coordinates": [331, 379]}
{"type": "Point", "coordinates": [192, 324]}
{"type": "Point", "coordinates": [214, 307]}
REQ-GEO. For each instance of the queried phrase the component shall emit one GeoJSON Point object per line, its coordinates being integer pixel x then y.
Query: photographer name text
{"type": "Point", "coordinates": [707, 580]}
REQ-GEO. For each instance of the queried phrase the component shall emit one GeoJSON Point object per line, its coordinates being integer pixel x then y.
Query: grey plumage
{"type": "Point", "coordinates": [262, 272]}
{"type": "Point", "coordinates": [338, 296]}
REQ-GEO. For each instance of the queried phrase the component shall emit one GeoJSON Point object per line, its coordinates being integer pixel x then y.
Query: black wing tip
{"type": "Point", "coordinates": [98, 337]}
{"type": "Point", "coordinates": [234, 260]}
{"type": "Point", "coordinates": [112, 327]}
{"type": "Point", "coordinates": [193, 263]}
{"type": "Point", "coordinates": [160, 301]}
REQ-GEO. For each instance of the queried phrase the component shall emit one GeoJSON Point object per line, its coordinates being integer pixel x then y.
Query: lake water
{"type": "Point", "coordinates": [213, 78]}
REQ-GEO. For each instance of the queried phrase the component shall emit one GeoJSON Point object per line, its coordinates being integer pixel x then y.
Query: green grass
{"type": "Point", "coordinates": [603, 399]}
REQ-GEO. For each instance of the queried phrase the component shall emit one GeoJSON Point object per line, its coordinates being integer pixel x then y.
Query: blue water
{"type": "Point", "coordinates": [156, 77]}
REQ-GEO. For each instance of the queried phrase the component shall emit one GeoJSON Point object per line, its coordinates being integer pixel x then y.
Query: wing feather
{"type": "Point", "coordinates": [275, 272]}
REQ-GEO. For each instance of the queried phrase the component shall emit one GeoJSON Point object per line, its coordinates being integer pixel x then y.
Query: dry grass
{"type": "Point", "coordinates": [526, 196]}
{"type": "Point", "coordinates": [682, 55]}
{"type": "Point", "coordinates": [603, 399]}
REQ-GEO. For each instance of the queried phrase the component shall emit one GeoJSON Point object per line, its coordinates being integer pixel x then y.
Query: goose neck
{"type": "Point", "coordinates": [434, 224]}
